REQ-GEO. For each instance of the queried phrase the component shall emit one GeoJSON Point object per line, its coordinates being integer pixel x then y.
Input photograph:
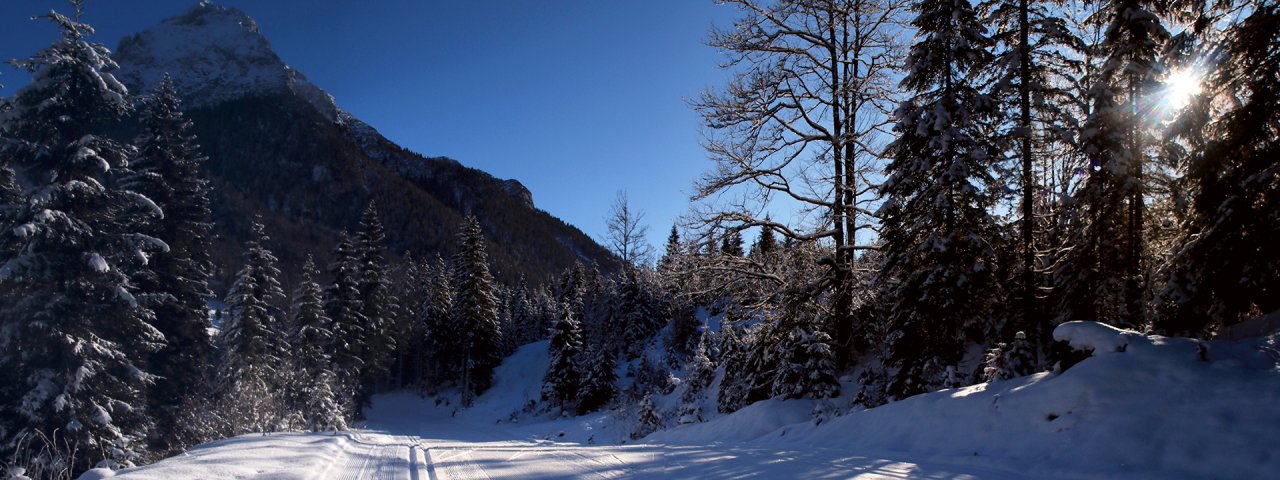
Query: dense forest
{"type": "Point", "coordinates": [927, 188]}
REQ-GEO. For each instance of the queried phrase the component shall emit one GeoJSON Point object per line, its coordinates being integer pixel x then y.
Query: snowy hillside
{"type": "Point", "coordinates": [1141, 407]}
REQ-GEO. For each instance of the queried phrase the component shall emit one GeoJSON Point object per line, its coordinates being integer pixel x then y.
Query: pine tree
{"type": "Point", "coordinates": [938, 278]}
{"type": "Point", "coordinates": [562, 384]}
{"type": "Point", "coordinates": [343, 306]}
{"type": "Point", "coordinates": [806, 364]}
{"type": "Point", "coordinates": [176, 284]}
{"type": "Point", "coordinates": [312, 329]}
{"type": "Point", "coordinates": [1032, 71]}
{"type": "Point", "coordinates": [598, 378]}
{"type": "Point", "coordinates": [316, 393]}
{"type": "Point", "coordinates": [442, 349]}
{"type": "Point", "coordinates": [376, 301]}
{"type": "Point", "coordinates": [699, 372]}
{"type": "Point", "coordinates": [476, 313]}
{"type": "Point", "coordinates": [1119, 141]}
{"type": "Point", "coordinates": [647, 419]}
{"type": "Point", "coordinates": [253, 341]}
{"type": "Point", "coordinates": [72, 332]}
{"type": "Point", "coordinates": [733, 386]}
{"type": "Point", "coordinates": [635, 314]}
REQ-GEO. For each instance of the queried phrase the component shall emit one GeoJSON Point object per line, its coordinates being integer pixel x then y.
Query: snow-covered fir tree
{"type": "Point", "coordinates": [377, 303]}
{"type": "Point", "coordinates": [476, 312]}
{"type": "Point", "coordinates": [73, 336]}
{"type": "Point", "coordinates": [312, 329]}
{"type": "Point", "coordinates": [699, 372]}
{"type": "Point", "coordinates": [938, 279]}
{"type": "Point", "coordinates": [343, 306]}
{"type": "Point", "coordinates": [253, 344]}
{"type": "Point", "coordinates": [647, 420]}
{"type": "Point", "coordinates": [806, 363]}
{"type": "Point", "coordinates": [175, 285]}
{"type": "Point", "coordinates": [1036, 61]}
{"type": "Point", "coordinates": [562, 385]}
{"type": "Point", "coordinates": [315, 390]}
{"type": "Point", "coordinates": [733, 385]}
{"type": "Point", "coordinates": [1011, 360]}
{"type": "Point", "coordinates": [598, 373]}
{"type": "Point", "coordinates": [441, 346]}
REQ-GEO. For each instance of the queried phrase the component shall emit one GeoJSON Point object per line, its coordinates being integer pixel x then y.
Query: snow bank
{"type": "Point", "coordinates": [1142, 406]}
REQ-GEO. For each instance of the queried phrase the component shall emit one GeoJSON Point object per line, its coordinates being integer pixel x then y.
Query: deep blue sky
{"type": "Point", "coordinates": [576, 99]}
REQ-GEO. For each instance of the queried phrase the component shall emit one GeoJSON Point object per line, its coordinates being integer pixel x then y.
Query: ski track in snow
{"type": "Point", "coordinates": [374, 457]}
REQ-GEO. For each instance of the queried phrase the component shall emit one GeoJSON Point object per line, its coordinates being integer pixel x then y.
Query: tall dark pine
{"type": "Point", "coordinates": [312, 329]}
{"type": "Point", "coordinates": [441, 349]}
{"type": "Point", "coordinates": [562, 384]}
{"type": "Point", "coordinates": [343, 305]}
{"type": "Point", "coordinates": [476, 312]}
{"type": "Point", "coordinates": [376, 300]}
{"type": "Point", "coordinates": [71, 330]}
{"type": "Point", "coordinates": [1228, 267]}
{"type": "Point", "coordinates": [1032, 70]}
{"type": "Point", "coordinates": [1118, 143]}
{"type": "Point", "coordinates": [937, 282]}
{"type": "Point", "coordinates": [176, 286]}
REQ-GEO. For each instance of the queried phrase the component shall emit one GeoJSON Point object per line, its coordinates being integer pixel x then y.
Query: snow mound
{"type": "Point", "coordinates": [1096, 337]}
{"type": "Point", "coordinates": [213, 54]}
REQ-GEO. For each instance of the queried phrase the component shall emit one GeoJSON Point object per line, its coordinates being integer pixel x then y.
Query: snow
{"type": "Point", "coordinates": [1097, 337]}
{"type": "Point", "coordinates": [98, 263]}
{"type": "Point", "coordinates": [1160, 408]}
{"type": "Point", "coordinates": [213, 54]}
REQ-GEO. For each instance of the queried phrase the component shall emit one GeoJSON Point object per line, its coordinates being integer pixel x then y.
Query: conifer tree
{"type": "Point", "coordinates": [647, 419]}
{"type": "Point", "coordinates": [343, 306]}
{"type": "Point", "coordinates": [733, 386]}
{"type": "Point", "coordinates": [253, 344]}
{"type": "Point", "coordinates": [1118, 140]}
{"type": "Point", "coordinates": [72, 333]}
{"type": "Point", "coordinates": [376, 301]}
{"type": "Point", "coordinates": [312, 329]}
{"type": "Point", "coordinates": [1032, 70]}
{"type": "Point", "coordinates": [598, 378]}
{"type": "Point", "coordinates": [699, 372]}
{"type": "Point", "coordinates": [476, 313]}
{"type": "Point", "coordinates": [562, 384]}
{"type": "Point", "coordinates": [175, 285]}
{"type": "Point", "coordinates": [442, 349]}
{"type": "Point", "coordinates": [315, 391]}
{"type": "Point", "coordinates": [806, 363]}
{"type": "Point", "coordinates": [938, 278]}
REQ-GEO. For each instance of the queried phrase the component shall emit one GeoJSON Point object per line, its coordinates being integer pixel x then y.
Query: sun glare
{"type": "Point", "coordinates": [1179, 87]}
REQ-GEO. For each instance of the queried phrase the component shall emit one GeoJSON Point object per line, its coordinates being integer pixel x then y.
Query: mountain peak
{"type": "Point", "coordinates": [214, 54]}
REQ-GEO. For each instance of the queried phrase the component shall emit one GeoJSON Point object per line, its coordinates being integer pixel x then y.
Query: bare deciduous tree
{"type": "Point", "coordinates": [628, 235]}
{"type": "Point", "coordinates": [802, 124]}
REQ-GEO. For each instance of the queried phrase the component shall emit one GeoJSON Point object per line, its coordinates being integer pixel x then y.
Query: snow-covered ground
{"type": "Point", "coordinates": [1141, 407]}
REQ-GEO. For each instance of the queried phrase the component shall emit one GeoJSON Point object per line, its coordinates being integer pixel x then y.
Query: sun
{"type": "Point", "coordinates": [1180, 86]}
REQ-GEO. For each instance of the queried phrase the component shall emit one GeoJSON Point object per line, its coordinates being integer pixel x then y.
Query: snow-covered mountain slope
{"type": "Point", "coordinates": [280, 147]}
